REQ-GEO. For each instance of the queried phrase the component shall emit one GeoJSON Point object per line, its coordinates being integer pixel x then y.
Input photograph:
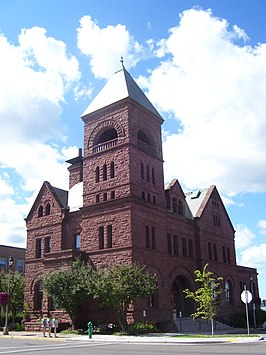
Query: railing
{"type": "Point", "coordinates": [103, 146]}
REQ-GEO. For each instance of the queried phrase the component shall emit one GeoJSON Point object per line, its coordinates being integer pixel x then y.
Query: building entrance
{"type": "Point", "coordinates": [183, 307]}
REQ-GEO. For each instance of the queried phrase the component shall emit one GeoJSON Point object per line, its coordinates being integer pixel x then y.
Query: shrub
{"type": "Point", "coordinates": [141, 328]}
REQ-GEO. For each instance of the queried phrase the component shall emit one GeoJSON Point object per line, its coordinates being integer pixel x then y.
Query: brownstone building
{"type": "Point", "coordinates": [117, 210]}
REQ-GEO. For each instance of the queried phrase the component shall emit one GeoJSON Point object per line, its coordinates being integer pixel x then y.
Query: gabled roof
{"type": "Point", "coordinates": [197, 201]}
{"type": "Point", "coordinates": [61, 196]}
{"type": "Point", "coordinates": [120, 86]}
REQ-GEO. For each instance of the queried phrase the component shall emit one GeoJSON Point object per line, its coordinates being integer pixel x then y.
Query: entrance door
{"type": "Point", "coordinates": [180, 303]}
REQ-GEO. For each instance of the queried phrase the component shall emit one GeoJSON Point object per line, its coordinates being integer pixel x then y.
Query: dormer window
{"type": "Point", "coordinates": [40, 211]}
{"type": "Point", "coordinates": [47, 209]}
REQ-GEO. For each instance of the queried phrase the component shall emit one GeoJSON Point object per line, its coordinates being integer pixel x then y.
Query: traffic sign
{"type": "Point", "coordinates": [246, 296]}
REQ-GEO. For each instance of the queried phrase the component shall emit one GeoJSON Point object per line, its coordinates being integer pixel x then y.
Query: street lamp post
{"type": "Point", "coordinates": [253, 301]}
{"type": "Point", "coordinates": [10, 264]}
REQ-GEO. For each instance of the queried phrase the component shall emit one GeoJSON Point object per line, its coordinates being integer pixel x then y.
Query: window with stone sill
{"type": "Point", "coordinates": [38, 248]}
{"type": "Point", "coordinates": [47, 245]}
{"type": "Point", "coordinates": [3, 264]}
{"type": "Point", "coordinates": [20, 266]}
{"type": "Point", "coordinates": [112, 170]}
{"type": "Point", "coordinates": [77, 241]}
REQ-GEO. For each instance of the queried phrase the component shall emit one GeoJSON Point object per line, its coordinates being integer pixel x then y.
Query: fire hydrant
{"type": "Point", "coordinates": [90, 329]}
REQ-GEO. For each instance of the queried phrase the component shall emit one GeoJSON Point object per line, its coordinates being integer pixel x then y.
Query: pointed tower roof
{"type": "Point", "coordinates": [120, 86]}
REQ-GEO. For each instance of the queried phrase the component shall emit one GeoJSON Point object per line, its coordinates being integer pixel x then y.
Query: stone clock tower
{"type": "Point", "coordinates": [122, 171]}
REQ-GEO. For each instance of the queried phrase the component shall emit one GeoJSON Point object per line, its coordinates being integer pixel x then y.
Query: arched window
{"type": "Point", "coordinates": [97, 174]}
{"type": "Point", "coordinates": [112, 170]}
{"type": "Point", "coordinates": [143, 137]}
{"type": "Point", "coordinates": [229, 292]}
{"type": "Point", "coordinates": [38, 296]}
{"type": "Point", "coordinates": [40, 211]}
{"type": "Point", "coordinates": [180, 208]}
{"type": "Point", "coordinates": [108, 135]}
{"type": "Point", "coordinates": [104, 172]}
{"type": "Point", "coordinates": [174, 204]}
{"type": "Point", "coordinates": [142, 170]}
{"type": "Point", "coordinates": [47, 209]}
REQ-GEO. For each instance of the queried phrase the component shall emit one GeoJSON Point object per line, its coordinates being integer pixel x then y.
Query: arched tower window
{"type": "Point", "coordinates": [40, 211]}
{"type": "Point", "coordinates": [142, 136]}
{"type": "Point", "coordinates": [107, 135]}
{"type": "Point", "coordinates": [112, 170]}
{"type": "Point", "coordinates": [97, 174]}
{"type": "Point", "coordinates": [104, 172]}
{"type": "Point", "coordinates": [47, 209]}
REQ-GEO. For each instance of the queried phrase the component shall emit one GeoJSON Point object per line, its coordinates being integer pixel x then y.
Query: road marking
{"type": "Point", "coordinates": [56, 347]}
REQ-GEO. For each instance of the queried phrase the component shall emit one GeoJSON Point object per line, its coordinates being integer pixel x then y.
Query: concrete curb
{"type": "Point", "coordinates": [151, 338]}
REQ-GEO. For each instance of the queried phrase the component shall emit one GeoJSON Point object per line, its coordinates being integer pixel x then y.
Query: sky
{"type": "Point", "coordinates": [201, 63]}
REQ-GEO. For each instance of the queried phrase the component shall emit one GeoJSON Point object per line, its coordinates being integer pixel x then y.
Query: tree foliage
{"type": "Point", "coordinates": [119, 285]}
{"type": "Point", "coordinates": [207, 294]}
{"type": "Point", "coordinates": [16, 291]}
{"type": "Point", "coordinates": [69, 287]}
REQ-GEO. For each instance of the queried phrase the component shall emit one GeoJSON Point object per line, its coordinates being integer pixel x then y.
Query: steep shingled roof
{"type": "Point", "coordinates": [120, 86]}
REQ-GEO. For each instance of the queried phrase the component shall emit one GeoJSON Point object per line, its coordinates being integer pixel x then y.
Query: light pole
{"type": "Point", "coordinates": [10, 264]}
{"type": "Point", "coordinates": [253, 301]}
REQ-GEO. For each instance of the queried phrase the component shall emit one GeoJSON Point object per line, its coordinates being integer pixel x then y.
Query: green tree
{"type": "Point", "coordinates": [16, 291]}
{"type": "Point", "coordinates": [69, 288]}
{"type": "Point", "coordinates": [207, 295]}
{"type": "Point", "coordinates": [119, 285]}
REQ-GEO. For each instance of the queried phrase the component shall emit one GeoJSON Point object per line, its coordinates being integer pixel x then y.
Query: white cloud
{"type": "Point", "coordinates": [243, 237]}
{"type": "Point", "coordinates": [215, 86]}
{"type": "Point", "coordinates": [104, 47]}
{"type": "Point", "coordinates": [254, 256]}
{"type": "Point", "coordinates": [35, 76]}
{"type": "Point", "coordinates": [262, 225]}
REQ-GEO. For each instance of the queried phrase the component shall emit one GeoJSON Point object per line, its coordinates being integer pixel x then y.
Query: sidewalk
{"type": "Point", "coordinates": [148, 338]}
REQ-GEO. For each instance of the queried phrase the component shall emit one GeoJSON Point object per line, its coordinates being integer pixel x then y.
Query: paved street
{"type": "Point", "coordinates": [9, 345]}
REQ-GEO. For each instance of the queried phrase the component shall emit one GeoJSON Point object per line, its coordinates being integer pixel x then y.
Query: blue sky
{"type": "Point", "coordinates": [201, 63]}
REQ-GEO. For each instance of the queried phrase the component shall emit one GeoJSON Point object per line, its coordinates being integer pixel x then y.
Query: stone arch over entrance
{"type": "Point", "coordinates": [181, 305]}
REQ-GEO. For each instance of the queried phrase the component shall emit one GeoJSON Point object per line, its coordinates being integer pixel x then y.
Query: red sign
{"type": "Point", "coordinates": [4, 298]}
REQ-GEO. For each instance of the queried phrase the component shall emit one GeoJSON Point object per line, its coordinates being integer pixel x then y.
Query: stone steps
{"type": "Point", "coordinates": [188, 325]}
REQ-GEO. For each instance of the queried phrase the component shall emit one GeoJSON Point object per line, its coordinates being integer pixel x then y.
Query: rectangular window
{"type": "Point", "coordinates": [149, 197]}
{"type": "Point", "coordinates": [184, 247]}
{"type": "Point", "coordinates": [215, 255]}
{"type": "Point", "coordinates": [143, 195]}
{"type": "Point", "coordinates": [105, 196]}
{"type": "Point", "coordinates": [169, 244]}
{"type": "Point", "coordinates": [109, 236]}
{"type": "Point", "coordinates": [153, 242]}
{"type": "Point", "coordinates": [101, 237]}
{"type": "Point", "coordinates": [112, 170]}
{"type": "Point", "coordinates": [224, 255]}
{"type": "Point", "coordinates": [20, 266]}
{"type": "Point", "coordinates": [148, 173]}
{"type": "Point", "coordinates": [190, 248]}
{"type": "Point", "coordinates": [38, 248]}
{"type": "Point", "coordinates": [176, 251]}
{"type": "Point", "coordinates": [97, 198]}
{"type": "Point", "coordinates": [154, 199]}
{"type": "Point", "coordinates": [147, 234]}
{"type": "Point", "coordinates": [228, 256]}
{"type": "Point", "coordinates": [97, 174]}
{"type": "Point", "coordinates": [142, 170]}
{"type": "Point", "coordinates": [112, 195]}
{"type": "Point", "coordinates": [77, 241]}
{"type": "Point", "coordinates": [3, 264]}
{"type": "Point", "coordinates": [47, 245]}
{"type": "Point", "coordinates": [153, 176]}
{"type": "Point", "coordinates": [210, 250]}
{"type": "Point", "coordinates": [104, 172]}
